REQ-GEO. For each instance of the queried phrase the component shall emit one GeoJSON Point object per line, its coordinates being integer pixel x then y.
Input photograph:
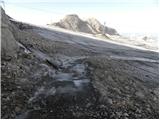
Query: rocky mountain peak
{"type": "Point", "coordinates": [93, 20]}
{"type": "Point", "coordinates": [91, 25]}
{"type": "Point", "coordinates": [72, 16]}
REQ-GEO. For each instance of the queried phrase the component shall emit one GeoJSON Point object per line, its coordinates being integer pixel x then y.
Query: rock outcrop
{"type": "Point", "coordinates": [9, 46]}
{"type": "Point", "coordinates": [91, 26]}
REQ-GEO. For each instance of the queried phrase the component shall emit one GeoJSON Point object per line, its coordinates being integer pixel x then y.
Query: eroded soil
{"type": "Point", "coordinates": [59, 75]}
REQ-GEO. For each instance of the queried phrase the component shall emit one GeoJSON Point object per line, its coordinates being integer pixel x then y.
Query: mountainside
{"type": "Point", "coordinates": [92, 25]}
{"type": "Point", "coordinates": [51, 74]}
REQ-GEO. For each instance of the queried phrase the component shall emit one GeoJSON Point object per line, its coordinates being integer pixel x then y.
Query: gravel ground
{"type": "Point", "coordinates": [70, 76]}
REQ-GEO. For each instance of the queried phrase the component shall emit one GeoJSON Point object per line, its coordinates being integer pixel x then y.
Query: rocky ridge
{"type": "Point", "coordinates": [92, 25]}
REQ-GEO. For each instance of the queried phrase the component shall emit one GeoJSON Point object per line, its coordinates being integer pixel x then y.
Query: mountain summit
{"type": "Point", "coordinates": [91, 25]}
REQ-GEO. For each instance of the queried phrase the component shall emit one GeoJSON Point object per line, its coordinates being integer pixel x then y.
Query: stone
{"type": "Point", "coordinates": [19, 87]}
{"type": "Point", "coordinates": [88, 105]}
{"type": "Point", "coordinates": [110, 78]}
{"type": "Point", "coordinates": [118, 114]}
{"type": "Point", "coordinates": [126, 114]}
{"type": "Point", "coordinates": [109, 101]}
{"type": "Point", "coordinates": [154, 98]}
{"type": "Point", "coordinates": [102, 106]}
{"type": "Point", "coordinates": [148, 109]}
{"type": "Point", "coordinates": [8, 98]}
{"type": "Point", "coordinates": [17, 109]}
{"type": "Point", "coordinates": [139, 94]}
{"type": "Point", "coordinates": [156, 92]}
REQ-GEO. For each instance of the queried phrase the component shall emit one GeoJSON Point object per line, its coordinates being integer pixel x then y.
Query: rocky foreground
{"type": "Point", "coordinates": [52, 74]}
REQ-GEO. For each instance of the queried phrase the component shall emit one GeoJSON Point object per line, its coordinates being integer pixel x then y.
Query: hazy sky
{"type": "Point", "coordinates": [123, 15]}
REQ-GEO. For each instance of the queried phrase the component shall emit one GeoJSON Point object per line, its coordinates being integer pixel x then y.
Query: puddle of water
{"type": "Point", "coordinates": [69, 80]}
{"type": "Point", "coordinates": [63, 77]}
{"type": "Point", "coordinates": [80, 83]}
{"type": "Point", "coordinates": [43, 70]}
{"type": "Point", "coordinates": [79, 68]}
{"type": "Point", "coordinates": [66, 89]}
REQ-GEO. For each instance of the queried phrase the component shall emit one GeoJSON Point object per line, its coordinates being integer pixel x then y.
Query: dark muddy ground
{"type": "Point", "coordinates": [59, 75]}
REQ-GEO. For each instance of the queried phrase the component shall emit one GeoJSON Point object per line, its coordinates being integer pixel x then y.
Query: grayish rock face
{"type": "Point", "coordinates": [9, 46]}
{"type": "Point", "coordinates": [92, 25]}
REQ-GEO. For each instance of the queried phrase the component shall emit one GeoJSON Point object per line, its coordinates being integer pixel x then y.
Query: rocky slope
{"type": "Point", "coordinates": [92, 25]}
{"type": "Point", "coordinates": [52, 74]}
{"type": "Point", "coordinates": [9, 46]}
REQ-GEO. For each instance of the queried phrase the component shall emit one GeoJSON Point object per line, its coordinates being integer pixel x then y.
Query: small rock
{"type": "Point", "coordinates": [8, 98]}
{"type": "Point", "coordinates": [118, 114]}
{"type": "Point", "coordinates": [109, 101]}
{"type": "Point", "coordinates": [117, 90]}
{"type": "Point", "coordinates": [13, 115]}
{"type": "Point", "coordinates": [17, 109]}
{"type": "Point", "coordinates": [51, 111]}
{"type": "Point", "coordinates": [112, 115]}
{"type": "Point", "coordinates": [148, 109]}
{"type": "Point", "coordinates": [13, 93]}
{"type": "Point", "coordinates": [36, 108]}
{"type": "Point", "coordinates": [102, 106]}
{"type": "Point", "coordinates": [4, 107]}
{"type": "Point", "coordinates": [8, 76]}
{"type": "Point", "coordinates": [88, 105]}
{"type": "Point", "coordinates": [110, 78]}
{"type": "Point", "coordinates": [19, 87]}
{"type": "Point", "coordinates": [126, 118]}
{"type": "Point", "coordinates": [156, 92]}
{"type": "Point", "coordinates": [127, 87]}
{"type": "Point", "coordinates": [126, 114]}
{"type": "Point", "coordinates": [139, 94]}
{"type": "Point", "coordinates": [154, 98]}
{"type": "Point", "coordinates": [138, 111]}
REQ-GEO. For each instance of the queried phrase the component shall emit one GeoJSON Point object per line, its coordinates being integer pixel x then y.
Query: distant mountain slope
{"type": "Point", "coordinates": [92, 25]}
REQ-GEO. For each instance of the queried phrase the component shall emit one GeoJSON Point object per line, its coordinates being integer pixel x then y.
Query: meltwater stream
{"type": "Point", "coordinates": [69, 86]}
